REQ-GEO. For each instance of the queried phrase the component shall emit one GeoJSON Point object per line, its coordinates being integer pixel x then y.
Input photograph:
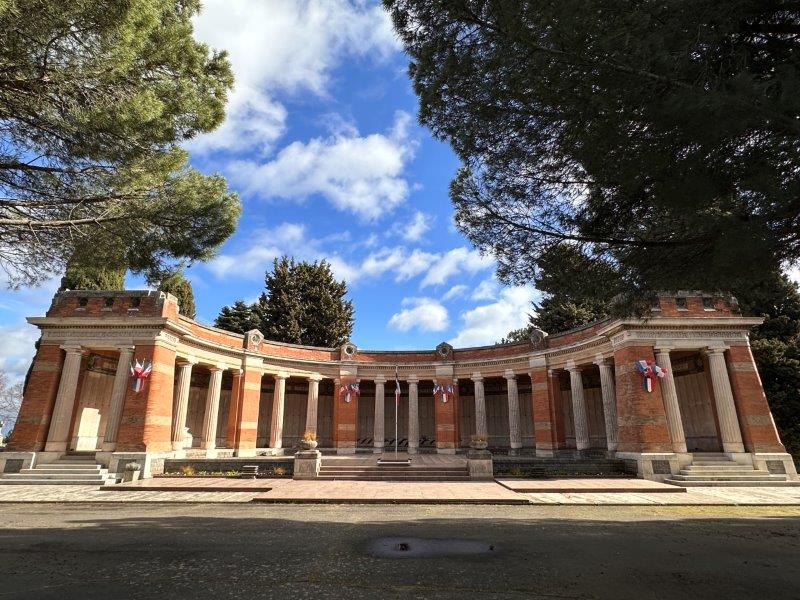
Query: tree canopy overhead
{"type": "Point", "coordinates": [95, 98]}
{"type": "Point", "coordinates": [660, 138]}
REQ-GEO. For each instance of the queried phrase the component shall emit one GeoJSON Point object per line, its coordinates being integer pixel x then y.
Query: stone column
{"type": "Point", "coordinates": [723, 396]}
{"type": "Point", "coordinates": [181, 402]}
{"type": "Point", "coordinates": [514, 434]}
{"type": "Point", "coordinates": [480, 407]}
{"type": "Point", "coordinates": [578, 408]}
{"type": "Point", "coordinates": [212, 409]}
{"type": "Point", "coordinates": [378, 433]}
{"type": "Point", "coordinates": [117, 397]}
{"type": "Point", "coordinates": [313, 401]}
{"type": "Point", "coordinates": [57, 436]}
{"type": "Point", "coordinates": [670, 396]}
{"type": "Point", "coordinates": [276, 427]}
{"type": "Point", "coordinates": [609, 403]}
{"type": "Point", "coordinates": [413, 416]}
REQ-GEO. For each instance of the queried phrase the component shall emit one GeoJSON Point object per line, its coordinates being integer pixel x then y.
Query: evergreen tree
{"type": "Point", "coordinates": [98, 99]}
{"type": "Point", "coordinates": [175, 283]}
{"type": "Point", "coordinates": [84, 274]}
{"type": "Point", "coordinates": [659, 136]}
{"type": "Point", "coordinates": [304, 304]}
{"type": "Point", "coordinates": [239, 318]}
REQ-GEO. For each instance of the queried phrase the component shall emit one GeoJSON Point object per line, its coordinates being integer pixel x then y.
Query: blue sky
{"type": "Point", "coordinates": [322, 144]}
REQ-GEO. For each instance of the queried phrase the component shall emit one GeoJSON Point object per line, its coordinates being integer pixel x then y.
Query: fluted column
{"type": "Point", "coordinates": [276, 426]}
{"type": "Point", "coordinates": [413, 416]}
{"type": "Point", "coordinates": [671, 407]}
{"type": "Point", "coordinates": [514, 434]}
{"type": "Point", "coordinates": [378, 433]}
{"type": "Point", "coordinates": [212, 409]}
{"type": "Point", "coordinates": [65, 400]}
{"type": "Point", "coordinates": [181, 403]}
{"type": "Point", "coordinates": [723, 397]}
{"type": "Point", "coordinates": [312, 403]}
{"type": "Point", "coordinates": [480, 406]}
{"type": "Point", "coordinates": [578, 408]}
{"type": "Point", "coordinates": [609, 403]}
{"type": "Point", "coordinates": [117, 397]}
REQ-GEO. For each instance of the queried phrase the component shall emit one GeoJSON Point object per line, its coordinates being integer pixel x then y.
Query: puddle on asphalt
{"type": "Point", "coordinates": [408, 547]}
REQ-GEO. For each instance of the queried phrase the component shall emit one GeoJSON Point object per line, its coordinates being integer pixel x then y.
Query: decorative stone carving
{"type": "Point", "coordinates": [348, 351]}
{"type": "Point", "coordinates": [444, 351]}
{"type": "Point", "coordinates": [537, 338]}
{"type": "Point", "coordinates": [253, 339]}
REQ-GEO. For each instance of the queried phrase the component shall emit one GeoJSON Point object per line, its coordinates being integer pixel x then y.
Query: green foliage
{"type": "Point", "coordinates": [97, 99]}
{"type": "Point", "coordinates": [658, 137]}
{"type": "Point", "coordinates": [554, 315]}
{"type": "Point", "coordinates": [304, 304]}
{"type": "Point", "coordinates": [175, 283]}
{"type": "Point", "coordinates": [84, 274]}
{"type": "Point", "coordinates": [239, 318]}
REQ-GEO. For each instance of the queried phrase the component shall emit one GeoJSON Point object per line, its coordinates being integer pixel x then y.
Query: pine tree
{"type": "Point", "coordinates": [304, 304]}
{"type": "Point", "coordinates": [82, 274]}
{"type": "Point", "coordinates": [239, 318]}
{"type": "Point", "coordinates": [175, 283]}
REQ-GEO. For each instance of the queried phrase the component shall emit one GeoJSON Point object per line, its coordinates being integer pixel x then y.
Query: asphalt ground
{"type": "Point", "coordinates": [88, 551]}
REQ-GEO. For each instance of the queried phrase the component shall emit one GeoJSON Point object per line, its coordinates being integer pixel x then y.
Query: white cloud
{"type": "Point", "coordinates": [17, 349]}
{"type": "Point", "coordinates": [286, 238]}
{"type": "Point", "coordinates": [794, 274]}
{"type": "Point", "coordinates": [488, 323]}
{"type": "Point", "coordinates": [363, 175]}
{"type": "Point", "coordinates": [283, 46]}
{"type": "Point", "coordinates": [486, 290]}
{"type": "Point", "coordinates": [455, 292]}
{"type": "Point", "coordinates": [424, 314]}
{"type": "Point", "coordinates": [454, 262]}
{"type": "Point", "coordinates": [418, 227]}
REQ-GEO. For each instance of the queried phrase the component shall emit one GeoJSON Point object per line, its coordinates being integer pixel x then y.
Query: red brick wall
{"type": "Point", "coordinates": [345, 416]}
{"type": "Point", "coordinates": [446, 418]}
{"type": "Point", "coordinates": [146, 423]}
{"type": "Point", "coordinates": [30, 430]}
{"type": "Point", "coordinates": [642, 420]}
{"type": "Point", "coordinates": [246, 425]}
{"type": "Point", "coordinates": [755, 419]}
{"type": "Point", "coordinates": [543, 426]}
{"type": "Point", "coordinates": [234, 412]}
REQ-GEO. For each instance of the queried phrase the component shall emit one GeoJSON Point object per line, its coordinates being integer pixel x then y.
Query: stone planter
{"type": "Point", "coordinates": [308, 444]}
{"type": "Point", "coordinates": [479, 445]}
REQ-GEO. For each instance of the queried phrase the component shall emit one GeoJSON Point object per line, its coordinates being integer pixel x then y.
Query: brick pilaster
{"type": "Point", "coordinates": [759, 433]}
{"type": "Point", "coordinates": [544, 431]}
{"type": "Point", "coordinates": [30, 430]}
{"type": "Point", "coordinates": [641, 415]}
{"type": "Point", "coordinates": [243, 425]}
{"type": "Point", "coordinates": [345, 417]}
{"type": "Point", "coordinates": [445, 416]}
{"type": "Point", "coordinates": [146, 424]}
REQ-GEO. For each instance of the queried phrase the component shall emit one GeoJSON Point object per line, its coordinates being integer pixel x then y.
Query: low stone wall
{"type": "Point", "coordinates": [560, 467]}
{"type": "Point", "coordinates": [266, 465]}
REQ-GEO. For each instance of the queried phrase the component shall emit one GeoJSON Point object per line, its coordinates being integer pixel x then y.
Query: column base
{"type": "Point", "coordinates": [378, 450]}
{"type": "Point", "coordinates": [244, 452]}
{"type": "Point", "coordinates": [733, 448]}
{"type": "Point", "coordinates": [656, 466]}
{"type": "Point", "coordinates": [55, 447]}
{"type": "Point", "coordinates": [545, 452]}
{"type": "Point", "coordinates": [412, 449]}
{"type": "Point", "coordinates": [346, 450]}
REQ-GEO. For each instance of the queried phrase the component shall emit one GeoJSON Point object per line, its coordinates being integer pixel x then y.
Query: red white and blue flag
{"type": "Point", "coordinates": [445, 392]}
{"type": "Point", "coordinates": [140, 371]}
{"type": "Point", "coordinates": [396, 388]}
{"type": "Point", "coordinates": [650, 371]}
{"type": "Point", "coordinates": [350, 390]}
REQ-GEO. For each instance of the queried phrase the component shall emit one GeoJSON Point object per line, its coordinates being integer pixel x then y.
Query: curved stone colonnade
{"type": "Point", "coordinates": [215, 393]}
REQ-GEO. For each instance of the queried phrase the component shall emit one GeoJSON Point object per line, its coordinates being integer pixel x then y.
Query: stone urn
{"type": "Point", "coordinates": [479, 444]}
{"type": "Point", "coordinates": [308, 444]}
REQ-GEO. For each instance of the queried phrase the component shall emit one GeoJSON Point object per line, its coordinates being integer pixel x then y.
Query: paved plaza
{"type": "Point", "coordinates": [604, 492]}
{"type": "Point", "coordinates": [199, 551]}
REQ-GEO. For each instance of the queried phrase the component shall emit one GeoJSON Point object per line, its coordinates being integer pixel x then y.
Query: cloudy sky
{"type": "Point", "coordinates": [322, 144]}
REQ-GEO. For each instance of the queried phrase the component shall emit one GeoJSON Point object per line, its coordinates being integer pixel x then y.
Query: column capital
{"type": "Point", "coordinates": [73, 348]}
{"type": "Point", "coordinates": [509, 374]}
{"type": "Point", "coordinates": [412, 380]}
{"type": "Point", "coordinates": [715, 350]}
{"type": "Point", "coordinates": [186, 360]}
{"type": "Point", "coordinates": [379, 379]}
{"type": "Point", "coordinates": [126, 348]}
{"type": "Point", "coordinates": [663, 348]}
{"type": "Point", "coordinates": [476, 377]}
{"type": "Point", "coordinates": [280, 375]}
{"type": "Point", "coordinates": [216, 368]}
{"type": "Point", "coordinates": [315, 377]}
{"type": "Point", "coordinates": [572, 367]}
{"type": "Point", "coordinates": [600, 360]}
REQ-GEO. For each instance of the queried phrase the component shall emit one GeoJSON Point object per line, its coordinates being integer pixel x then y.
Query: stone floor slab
{"type": "Point", "coordinates": [602, 486]}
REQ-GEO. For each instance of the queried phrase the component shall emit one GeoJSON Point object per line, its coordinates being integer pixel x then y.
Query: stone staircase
{"type": "Point", "coordinates": [71, 469]}
{"type": "Point", "coordinates": [343, 471]}
{"type": "Point", "coordinates": [717, 470]}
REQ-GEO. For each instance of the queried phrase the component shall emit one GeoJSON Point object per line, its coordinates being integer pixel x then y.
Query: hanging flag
{"type": "Point", "coordinates": [650, 371]}
{"type": "Point", "coordinates": [444, 392]}
{"type": "Point", "coordinates": [140, 371]}
{"type": "Point", "coordinates": [349, 390]}
{"type": "Point", "coordinates": [396, 388]}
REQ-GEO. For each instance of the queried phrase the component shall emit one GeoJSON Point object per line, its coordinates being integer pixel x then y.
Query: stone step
{"type": "Point", "coordinates": [722, 472]}
{"type": "Point", "coordinates": [736, 477]}
{"type": "Point", "coordinates": [719, 467]}
{"type": "Point", "coordinates": [54, 476]}
{"type": "Point", "coordinates": [710, 483]}
{"type": "Point", "coordinates": [417, 478]}
{"type": "Point", "coordinates": [718, 463]}
{"type": "Point", "coordinates": [38, 481]}
{"type": "Point", "coordinates": [393, 471]}
{"type": "Point", "coordinates": [66, 471]}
